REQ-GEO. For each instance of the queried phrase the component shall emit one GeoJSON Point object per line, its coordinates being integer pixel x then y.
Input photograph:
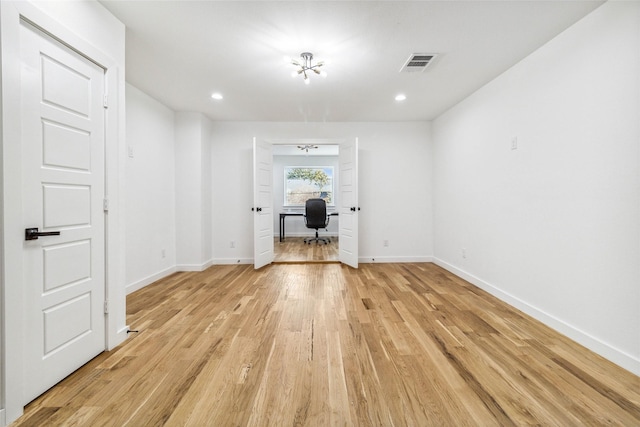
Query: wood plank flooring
{"type": "Point", "coordinates": [323, 344]}
{"type": "Point", "coordinates": [294, 250]}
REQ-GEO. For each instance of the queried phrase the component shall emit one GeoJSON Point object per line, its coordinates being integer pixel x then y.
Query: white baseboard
{"type": "Point", "coordinates": [166, 272]}
{"type": "Point", "coordinates": [150, 279]}
{"type": "Point", "coordinates": [361, 260]}
{"type": "Point", "coordinates": [195, 267]}
{"type": "Point", "coordinates": [389, 259]}
{"type": "Point", "coordinates": [613, 354]}
{"type": "Point", "coordinates": [227, 261]}
{"type": "Point", "coordinates": [180, 267]}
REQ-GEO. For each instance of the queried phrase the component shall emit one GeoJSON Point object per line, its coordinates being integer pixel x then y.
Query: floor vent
{"type": "Point", "coordinates": [417, 62]}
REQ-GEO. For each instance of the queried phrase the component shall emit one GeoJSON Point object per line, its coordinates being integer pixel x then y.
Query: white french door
{"type": "Point", "coordinates": [263, 203]}
{"type": "Point", "coordinates": [63, 181]}
{"type": "Point", "coordinates": [263, 252]}
{"type": "Point", "coordinates": [348, 210]}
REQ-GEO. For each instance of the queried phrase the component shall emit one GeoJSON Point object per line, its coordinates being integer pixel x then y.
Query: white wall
{"type": "Point", "coordinates": [395, 185]}
{"type": "Point", "coordinates": [553, 227]}
{"type": "Point", "coordinates": [294, 226]}
{"type": "Point", "coordinates": [150, 191]}
{"type": "Point", "coordinates": [169, 223]}
{"type": "Point", "coordinates": [168, 191]}
{"type": "Point", "coordinates": [206, 128]}
{"type": "Point", "coordinates": [193, 191]}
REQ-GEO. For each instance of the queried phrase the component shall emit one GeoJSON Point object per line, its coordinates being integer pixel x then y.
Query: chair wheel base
{"type": "Point", "coordinates": [317, 240]}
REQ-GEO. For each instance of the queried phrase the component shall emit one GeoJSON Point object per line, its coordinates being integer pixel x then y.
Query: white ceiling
{"type": "Point", "coordinates": [294, 150]}
{"type": "Point", "coordinates": [179, 52]}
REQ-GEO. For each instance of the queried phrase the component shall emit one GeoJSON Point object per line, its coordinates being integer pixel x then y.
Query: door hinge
{"type": "Point", "coordinates": [105, 101]}
{"type": "Point", "coordinates": [106, 307]}
{"type": "Point", "coordinates": [105, 205]}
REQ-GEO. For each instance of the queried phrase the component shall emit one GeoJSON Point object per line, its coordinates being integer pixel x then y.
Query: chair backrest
{"type": "Point", "coordinates": [316, 213]}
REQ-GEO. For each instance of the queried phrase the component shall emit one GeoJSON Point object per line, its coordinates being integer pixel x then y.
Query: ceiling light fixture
{"type": "Point", "coordinates": [306, 147]}
{"type": "Point", "coordinates": [401, 97]}
{"type": "Point", "coordinates": [216, 95]}
{"type": "Point", "coordinates": [305, 66]}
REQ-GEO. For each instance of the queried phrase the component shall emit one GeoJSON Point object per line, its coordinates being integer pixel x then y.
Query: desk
{"type": "Point", "coordinates": [283, 215]}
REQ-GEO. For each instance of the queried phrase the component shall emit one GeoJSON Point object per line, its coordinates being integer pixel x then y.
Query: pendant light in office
{"type": "Point", "coordinates": [307, 147]}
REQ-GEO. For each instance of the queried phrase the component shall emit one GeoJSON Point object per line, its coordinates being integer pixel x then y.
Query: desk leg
{"type": "Point", "coordinates": [281, 228]}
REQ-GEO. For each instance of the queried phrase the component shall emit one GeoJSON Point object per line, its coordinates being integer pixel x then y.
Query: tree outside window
{"type": "Point", "coordinates": [302, 183]}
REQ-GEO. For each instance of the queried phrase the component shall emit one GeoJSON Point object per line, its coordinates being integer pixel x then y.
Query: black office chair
{"type": "Point", "coordinates": [315, 216]}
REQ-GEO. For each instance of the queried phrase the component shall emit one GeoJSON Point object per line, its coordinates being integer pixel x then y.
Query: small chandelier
{"type": "Point", "coordinates": [305, 66]}
{"type": "Point", "coordinates": [306, 147]}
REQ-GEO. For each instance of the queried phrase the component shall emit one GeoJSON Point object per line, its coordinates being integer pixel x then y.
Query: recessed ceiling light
{"type": "Point", "coordinates": [216, 95]}
{"type": "Point", "coordinates": [401, 97]}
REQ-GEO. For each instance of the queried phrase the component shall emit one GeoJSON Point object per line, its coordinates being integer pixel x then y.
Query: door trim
{"type": "Point", "coordinates": [12, 303]}
{"type": "Point", "coordinates": [296, 141]}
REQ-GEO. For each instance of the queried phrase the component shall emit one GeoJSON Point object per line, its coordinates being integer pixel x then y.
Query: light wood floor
{"type": "Point", "coordinates": [323, 344]}
{"type": "Point", "coordinates": [293, 249]}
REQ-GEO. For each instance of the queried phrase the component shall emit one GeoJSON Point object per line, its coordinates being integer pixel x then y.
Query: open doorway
{"type": "Point", "coordinates": [266, 222]}
{"type": "Point", "coordinates": [300, 172]}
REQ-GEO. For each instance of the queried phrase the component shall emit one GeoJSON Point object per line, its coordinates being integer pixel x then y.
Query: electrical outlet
{"type": "Point", "coordinates": [385, 243]}
{"type": "Point", "coordinates": [232, 244]}
{"type": "Point", "coordinates": [163, 253]}
{"type": "Point", "coordinates": [464, 253]}
{"type": "Point", "coordinates": [130, 151]}
{"type": "Point", "coordinates": [514, 143]}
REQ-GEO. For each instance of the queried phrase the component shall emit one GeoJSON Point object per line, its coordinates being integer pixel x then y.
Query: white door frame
{"type": "Point", "coordinates": [313, 141]}
{"type": "Point", "coordinates": [12, 302]}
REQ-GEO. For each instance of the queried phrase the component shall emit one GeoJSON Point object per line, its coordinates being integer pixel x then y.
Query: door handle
{"type": "Point", "coordinates": [259, 209]}
{"type": "Point", "coordinates": [353, 209]}
{"type": "Point", "coordinates": [33, 233]}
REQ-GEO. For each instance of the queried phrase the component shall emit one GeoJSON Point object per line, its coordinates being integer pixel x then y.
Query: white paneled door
{"type": "Point", "coordinates": [349, 209]}
{"type": "Point", "coordinates": [263, 252]}
{"type": "Point", "coordinates": [63, 181]}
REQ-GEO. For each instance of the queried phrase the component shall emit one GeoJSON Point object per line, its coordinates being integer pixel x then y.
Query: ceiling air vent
{"type": "Point", "coordinates": [417, 62]}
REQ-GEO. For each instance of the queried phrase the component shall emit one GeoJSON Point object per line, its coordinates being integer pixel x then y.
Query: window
{"type": "Point", "coordinates": [305, 182]}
